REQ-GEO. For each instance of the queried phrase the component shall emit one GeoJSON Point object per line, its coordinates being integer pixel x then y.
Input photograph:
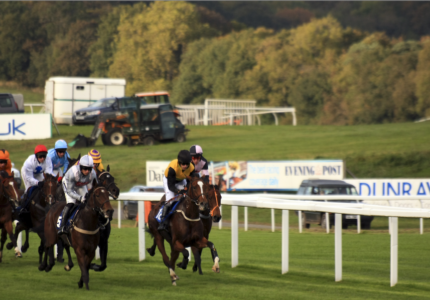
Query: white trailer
{"type": "Point", "coordinates": [64, 95]}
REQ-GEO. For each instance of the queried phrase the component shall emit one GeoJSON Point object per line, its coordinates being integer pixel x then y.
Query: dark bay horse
{"type": "Point", "coordinates": [186, 229]}
{"type": "Point", "coordinates": [213, 214]}
{"type": "Point", "coordinates": [39, 205]}
{"type": "Point", "coordinates": [84, 232]}
{"type": "Point", "coordinates": [8, 193]}
{"type": "Point", "coordinates": [108, 181]}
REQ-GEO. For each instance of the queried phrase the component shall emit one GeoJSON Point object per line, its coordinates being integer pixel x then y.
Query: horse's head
{"type": "Point", "coordinates": [197, 191]}
{"type": "Point", "coordinates": [9, 187]}
{"type": "Point", "coordinates": [107, 180]}
{"type": "Point", "coordinates": [214, 199]}
{"type": "Point", "coordinates": [72, 161]}
{"type": "Point", "coordinates": [49, 189]}
{"type": "Point", "coordinates": [99, 200]}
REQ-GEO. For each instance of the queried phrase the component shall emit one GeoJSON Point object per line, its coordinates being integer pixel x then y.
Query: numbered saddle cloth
{"type": "Point", "coordinates": [72, 215]}
{"type": "Point", "coordinates": [158, 216]}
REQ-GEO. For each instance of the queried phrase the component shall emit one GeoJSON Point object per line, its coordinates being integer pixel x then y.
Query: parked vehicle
{"type": "Point", "coordinates": [135, 123]}
{"type": "Point", "coordinates": [129, 209]}
{"type": "Point", "coordinates": [65, 95]}
{"type": "Point", "coordinates": [11, 103]}
{"type": "Point", "coordinates": [330, 187]}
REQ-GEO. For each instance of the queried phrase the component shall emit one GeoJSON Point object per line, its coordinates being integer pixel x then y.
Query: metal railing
{"type": "Point", "coordinates": [289, 202]}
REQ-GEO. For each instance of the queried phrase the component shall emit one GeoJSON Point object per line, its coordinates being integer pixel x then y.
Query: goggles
{"type": "Point", "coordinates": [61, 151]}
{"type": "Point", "coordinates": [198, 156]}
{"type": "Point", "coordinates": [3, 161]}
{"type": "Point", "coordinates": [86, 168]}
{"type": "Point", "coordinates": [184, 164]}
{"type": "Point", "coordinates": [41, 155]}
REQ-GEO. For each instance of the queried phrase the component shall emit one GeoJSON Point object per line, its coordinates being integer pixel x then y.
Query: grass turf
{"type": "Point", "coordinates": [366, 270]}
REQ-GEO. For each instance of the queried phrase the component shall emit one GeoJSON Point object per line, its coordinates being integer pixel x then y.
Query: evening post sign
{"type": "Point", "coordinates": [258, 175]}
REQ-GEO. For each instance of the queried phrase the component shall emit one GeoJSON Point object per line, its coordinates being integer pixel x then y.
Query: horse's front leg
{"type": "Point", "coordinates": [60, 250]}
{"type": "Point", "coordinates": [151, 250]}
{"type": "Point", "coordinates": [197, 258]}
{"type": "Point", "coordinates": [195, 267]}
{"type": "Point", "coordinates": [51, 264]}
{"type": "Point", "coordinates": [186, 258]}
{"type": "Point", "coordinates": [82, 261]}
{"type": "Point", "coordinates": [9, 229]}
{"type": "Point", "coordinates": [103, 245]}
{"type": "Point", "coordinates": [3, 240]}
{"type": "Point", "coordinates": [70, 264]}
{"type": "Point", "coordinates": [215, 257]}
{"type": "Point", "coordinates": [18, 228]}
{"type": "Point", "coordinates": [173, 257]}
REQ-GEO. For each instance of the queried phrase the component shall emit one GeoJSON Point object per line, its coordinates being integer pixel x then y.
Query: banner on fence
{"type": "Point", "coordinates": [25, 126]}
{"type": "Point", "coordinates": [258, 175]}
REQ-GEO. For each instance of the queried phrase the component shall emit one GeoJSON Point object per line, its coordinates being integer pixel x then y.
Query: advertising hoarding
{"type": "Point", "coordinates": [25, 126]}
{"type": "Point", "coordinates": [258, 175]}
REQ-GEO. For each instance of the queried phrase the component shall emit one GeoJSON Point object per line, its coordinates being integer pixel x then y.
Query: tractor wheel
{"type": "Point", "coordinates": [180, 138]}
{"type": "Point", "coordinates": [105, 141]}
{"type": "Point", "coordinates": [148, 141]}
{"type": "Point", "coordinates": [115, 137]}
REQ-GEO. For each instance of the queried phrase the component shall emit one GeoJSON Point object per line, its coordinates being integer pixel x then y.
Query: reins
{"type": "Point", "coordinates": [217, 204]}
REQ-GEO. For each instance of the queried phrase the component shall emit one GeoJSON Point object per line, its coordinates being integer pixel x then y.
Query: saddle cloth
{"type": "Point", "coordinates": [158, 216]}
{"type": "Point", "coordinates": [71, 217]}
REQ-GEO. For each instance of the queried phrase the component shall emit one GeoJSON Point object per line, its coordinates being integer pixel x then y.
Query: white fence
{"type": "Point", "coordinates": [229, 112]}
{"type": "Point", "coordinates": [272, 201]}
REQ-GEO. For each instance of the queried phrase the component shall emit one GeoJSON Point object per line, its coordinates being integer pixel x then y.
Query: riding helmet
{"type": "Point", "coordinates": [40, 148]}
{"type": "Point", "coordinates": [86, 161]}
{"type": "Point", "coordinates": [95, 155]}
{"type": "Point", "coordinates": [196, 150]}
{"type": "Point", "coordinates": [60, 145]}
{"type": "Point", "coordinates": [184, 157]}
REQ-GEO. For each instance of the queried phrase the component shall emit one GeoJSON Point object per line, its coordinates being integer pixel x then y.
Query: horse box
{"type": "Point", "coordinates": [64, 95]}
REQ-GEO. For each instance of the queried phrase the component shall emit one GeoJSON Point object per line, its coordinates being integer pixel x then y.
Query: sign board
{"type": "Point", "coordinates": [394, 188]}
{"type": "Point", "coordinates": [25, 126]}
{"type": "Point", "coordinates": [258, 175]}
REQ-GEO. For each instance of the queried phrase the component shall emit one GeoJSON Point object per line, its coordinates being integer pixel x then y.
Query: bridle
{"type": "Point", "coordinates": [6, 195]}
{"type": "Point", "coordinates": [51, 197]}
{"type": "Point", "coordinates": [196, 200]}
{"type": "Point", "coordinates": [97, 209]}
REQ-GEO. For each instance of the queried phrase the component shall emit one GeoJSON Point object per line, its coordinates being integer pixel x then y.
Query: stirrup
{"type": "Point", "coordinates": [62, 231]}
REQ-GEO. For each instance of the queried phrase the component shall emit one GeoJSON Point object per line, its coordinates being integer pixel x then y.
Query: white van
{"type": "Point", "coordinates": [64, 95]}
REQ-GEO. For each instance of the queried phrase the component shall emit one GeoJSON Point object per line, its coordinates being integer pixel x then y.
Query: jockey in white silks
{"type": "Point", "coordinates": [34, 167]}
{"type": "Point", "coordinates": [76, 183]}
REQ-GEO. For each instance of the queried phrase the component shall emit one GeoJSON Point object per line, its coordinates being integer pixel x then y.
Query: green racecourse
{"type": "Point", "coordinates": [372, 151]}
{"type": "Point", "coordinates": [366, 270]}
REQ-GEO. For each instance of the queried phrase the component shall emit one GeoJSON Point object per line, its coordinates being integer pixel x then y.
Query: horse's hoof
{"type": "Point", "coordinates": [18, 254]}
{"type": "Point", "coordinates": [216, 270]}
{"type": "Point", "coordinates": [194, 268]}
{"type": "Point", "coordinates": [68, 268]}
{"type": "Point", "coordinates": [174, 282]}
{"type": "Point", "coordinates": [9, 246]}
{"type": "Point", "coordinates": [80, 284]}
{"type": "Point", "coordinates": [42, 267]}
{"type": "Point", "coordinates": [60, 259]}
{"type": "Point", "coordinates": [48, 268]}
{"type": "Point", "coordinates": [97, 268]}
{"type": "Point", "coordinates": [182, 266]}
{"type": "Point", "coordinates": [24, 249]}
{"type": "Point", "coordinates": [150, 251]}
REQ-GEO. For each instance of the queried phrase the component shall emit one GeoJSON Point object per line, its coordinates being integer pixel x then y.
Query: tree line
{"type": "Point", "coordinates": [331, 73]}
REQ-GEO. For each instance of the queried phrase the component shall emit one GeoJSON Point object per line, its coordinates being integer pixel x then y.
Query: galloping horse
{"type": "Point", "coordinates": [185, 227]}
{"type": "Point", "coordinates": [84, 232]}
{"type": "Point", "coordinates": [8, 192]}
{"type": "Point", "coordinates": [108, 181]}
{"type": "Point", "coordinates": [39, 205]}
{"type": "Point", "coordinates": [207, 216]}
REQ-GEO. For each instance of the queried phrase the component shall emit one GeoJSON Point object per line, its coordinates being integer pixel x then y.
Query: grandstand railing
{"type": "Point", "coordinates": [290, 202]}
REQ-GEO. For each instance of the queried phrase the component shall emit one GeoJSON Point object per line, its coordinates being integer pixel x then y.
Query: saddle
{"type": "Point", "coordinates": [72, 216]}
{"type": "Point", "coordinates": [171, 212]}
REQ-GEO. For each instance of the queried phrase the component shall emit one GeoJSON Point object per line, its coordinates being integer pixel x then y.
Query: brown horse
{"type": "Point", "coordinates": [39, 205]}
{"type": "Point", "coordinates": [213, 214]}
{"type": "Point", "coordinates": [185, 227]}
{"type": "Point", "coordinates": [84, 232]}
{"type": "Point", "coordinates": [8, 192]}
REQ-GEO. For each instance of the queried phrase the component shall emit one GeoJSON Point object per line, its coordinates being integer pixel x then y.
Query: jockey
{"type": "Point", "coordinates": [200, 163]}
{"type": "Point", "coordinates": [58, 156]}
{"type": "Point", "coordinates": [5, 163]}
{"type": "Point", "coordinates": [97, 160]}
{"type": "Point", "coordinates": [34, 167]}
{"type": "Point", "coordinates": [76, 183]}
{"type": "Point", "coordinates": [175, 180]}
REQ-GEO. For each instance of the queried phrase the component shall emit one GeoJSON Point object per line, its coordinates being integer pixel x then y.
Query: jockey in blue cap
{"type": "Point", "coordinates": [59, 157]}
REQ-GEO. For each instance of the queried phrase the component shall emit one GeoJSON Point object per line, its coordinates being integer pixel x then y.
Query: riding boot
{"type": "Point", "coordinates": [164, 220]}
{"type": "Point", "coordinates": [66, 210]}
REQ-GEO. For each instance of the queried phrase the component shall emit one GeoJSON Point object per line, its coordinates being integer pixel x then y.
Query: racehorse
{"type": "Point", "coordinates": [39, 205]}
{"type": "Point", "coordinates": [185, 227]}
{"type": "Point", "coordinates": [8, 192]}
{"type": "Point", "coordinates": [84, 233]}
{"type": "Point", "coordinates": [108, 181]}
{"type": "Point", "coordinates": [207, 216]}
